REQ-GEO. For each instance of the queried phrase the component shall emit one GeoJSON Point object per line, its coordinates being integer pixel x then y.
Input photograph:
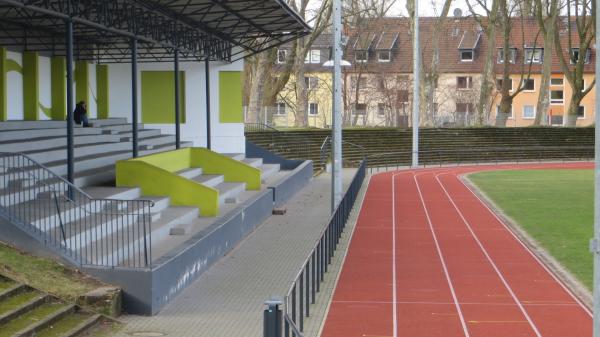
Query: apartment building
{"type": "Point", "coordinates": [379, 83]}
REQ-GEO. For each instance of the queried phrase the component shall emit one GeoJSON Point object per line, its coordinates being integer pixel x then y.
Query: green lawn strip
{"type": "Point", "coordinates": [45, 274]}
{"type": "Point", "coordinates": [30, 318]}
{"type": "Point", "coordinates": [555, 207]}
{"type": "Point", "coordinates": [64, 325]}
{"type": "Point", "coordinates": [14, 302]}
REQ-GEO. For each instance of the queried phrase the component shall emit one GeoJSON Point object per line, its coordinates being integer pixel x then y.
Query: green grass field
{"type": "Point", "coordinates": [554, 206]}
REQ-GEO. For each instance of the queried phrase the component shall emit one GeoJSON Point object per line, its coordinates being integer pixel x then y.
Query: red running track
{"type": "Point", "coordinates": [429, 259]}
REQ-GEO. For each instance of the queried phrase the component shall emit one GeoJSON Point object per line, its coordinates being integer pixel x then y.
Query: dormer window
{"type": "Point", "coordinates": [281, 56]}
{"type": "Point", "coordinates": [575, 56]}
{"type": "Point", "coordinates": [534, 55]}
{"type": "Point", "coordinates": [512, 55]}
{"type": "Point", "coordinates": [384, 56]}
{"type": "Point", "coordinates": [467, 55]}
{"type": "Point", "coordinates": [313, 56]}
{"type": "Point", "coordinates": [361, 56]}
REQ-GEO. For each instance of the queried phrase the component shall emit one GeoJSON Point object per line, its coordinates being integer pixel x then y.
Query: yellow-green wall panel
{"type": "Point", "coordinates": [3, 86]}
{"type": "Point", "coordinates": [102, 92]}
{"type": "Point", "coordinates": [82, 77]}
{"type": "Point", "coordinates": [58, 88]}
{"type": "Point", "coordinates": [31, 86]}
{"type": "Point", "coordinates": [158, 97]}
{"type": "Point", "coordinates": [230, 97]}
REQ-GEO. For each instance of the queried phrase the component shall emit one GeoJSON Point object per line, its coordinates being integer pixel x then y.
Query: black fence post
{"type": "Point", "coordinates": [272, 318]}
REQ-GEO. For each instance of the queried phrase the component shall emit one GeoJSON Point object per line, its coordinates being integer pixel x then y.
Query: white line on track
{"type": "Point", "coordinates": [487, 255]}
{"type": "Point", "coordinates": [394, 290]}
{"type": "Point", "coordinates": [439, 251]}
{"type": "Point", "coordinates": [535, 257]}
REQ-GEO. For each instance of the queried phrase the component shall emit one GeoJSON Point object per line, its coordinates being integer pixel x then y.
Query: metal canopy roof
{"type": "Point", "coordinates": [198, 29]}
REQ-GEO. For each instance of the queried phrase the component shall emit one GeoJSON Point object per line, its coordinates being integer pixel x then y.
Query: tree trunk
{"type": "Point", "coordinates": [573, 109]}
{"type": "Point", "coordinates": [504, 111]}
{"type": "Point", "coordinates": [543, 103]}
{"type": "Point", "coordinates": [487, 78]}
{"type": "Point", "coordinates": [301, 97]}
{"type": "Point", "coordinates": [255, 101]}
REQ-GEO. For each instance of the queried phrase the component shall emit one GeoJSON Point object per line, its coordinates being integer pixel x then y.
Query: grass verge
{"type": "Point", "coordinates": [555, 207]}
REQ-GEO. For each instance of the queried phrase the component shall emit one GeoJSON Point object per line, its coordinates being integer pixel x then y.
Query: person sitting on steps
{"type": "Point", "coordinates": [80, 114]}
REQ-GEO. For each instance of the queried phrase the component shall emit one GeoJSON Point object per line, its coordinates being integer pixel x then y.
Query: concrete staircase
{"type": "Point", "coordinates": [96, 148]}
{"type": "Point", "coordinates": [26, 312]}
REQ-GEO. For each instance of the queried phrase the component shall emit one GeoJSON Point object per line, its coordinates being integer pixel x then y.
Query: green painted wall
{"type": "Point", "coordinates": [230, 97]}
{"type": "Point", "coordinates": [58, 75]}
{"type": "Point", "coordinates": [31, 86]}
{"type": "Point", "coordinates": [102, 91]}
{"type": "Point", "coordinates": [82, 77]}
{"type": "Point", "coordinates": [3, 84]}
{"type": "Point", "coordinates": [158, 97]}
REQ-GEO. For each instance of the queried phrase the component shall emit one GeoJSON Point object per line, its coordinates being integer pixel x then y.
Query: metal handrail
{"type": "Point", "coordinates": [84, 230]}
{"type": "Point", "coordinates": [325, 149]}
{"type": "Point", "coordinates": [307, 282]}
{"type": "Point", "coordinates": [259, 127]}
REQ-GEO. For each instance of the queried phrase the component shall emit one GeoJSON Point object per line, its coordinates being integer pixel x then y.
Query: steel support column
{"type": "Point", "coordinates": [177, 120]}
{"type": "Point", "coordinates": [336, 125]}
{"type": "Point", "coordinates": [595, 241]}
{"type": "Point", "coordinates": [134, 98]}
{"type": "Point", "coordinates": [416, 88]}
{"type": "Point", "coordinates": [70, 122]}
{"type": "Point", "coordinates": [208, 128]}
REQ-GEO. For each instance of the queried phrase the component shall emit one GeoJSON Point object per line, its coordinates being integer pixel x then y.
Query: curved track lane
{"type": "Point", "coordinates": [429, 259]}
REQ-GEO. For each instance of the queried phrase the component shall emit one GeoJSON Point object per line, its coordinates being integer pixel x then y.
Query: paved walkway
{"type": "Point", "coordinates": [227, 300]}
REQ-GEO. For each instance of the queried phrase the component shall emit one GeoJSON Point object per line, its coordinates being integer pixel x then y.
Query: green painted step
{"type": "Point", "coordinates": [14, 302]}
{"type": "Point", "coordinates": [66, 325]}
{"type": "Point", "coordinates": [32, 317]}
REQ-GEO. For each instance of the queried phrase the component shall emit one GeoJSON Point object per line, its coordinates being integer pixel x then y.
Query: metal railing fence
{"type": "Point", "coordinates": [307, 284]}
{"type": "Point", "coordinates": [325, 153]}
{"type": "Point", "coordinates": [87, 231]}
{"type": "Point", "coordinates": [282, 143]}
{"type": "Point", "coordinates": [488, 155]}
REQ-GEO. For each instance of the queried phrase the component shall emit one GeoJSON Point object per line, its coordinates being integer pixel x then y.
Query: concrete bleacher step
{"type": "Point", "coordinates": [171, 217]}
{"type": "Point", "coordinates": [35, 144]}
{"type": "Point", "coordinates": [190, 173]}
{"type": "Point", "coordinates": [268, 170]}
{"type": "Point", "coordinates": [236, 156]}
{"type": "Point", "coordinates": [12, 135]}
{"type": "Point", "coordinates": [228, 192]}
{"type": "Point", "coordinates": [254, 162]}
{"type": "Point", "coordinates": [157, 140]}
{"type": "Point", "coordinates": [107, 122]}
{"type": "Point", "coordinates": [117, 128]}
{"type": "Point", "coordinates": [210, 180]}
{"type": "Point", "coordinates": [49, 155]}
{"type": "Point", "coordinates": [143, 133]}
{"type": "Point", "coordinates": [22, 125]}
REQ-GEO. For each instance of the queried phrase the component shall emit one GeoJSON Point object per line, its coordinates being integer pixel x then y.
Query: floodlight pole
{"type": "Point", "coordinates": [595, 246]}
{"type": "Point", "coordinates": [336, 120]}
{"type": "Point", "coordinates": [416, 88]}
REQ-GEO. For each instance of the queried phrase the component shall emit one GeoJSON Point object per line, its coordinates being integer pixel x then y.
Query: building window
{"type": "Point", "coordinates": [510, 115]}
{"type": "Point", "coordinates": [464, 82]}
{"type": "Point", "coordinates": [280, 108]}
{"type": "Point", "coordinates": [361, 56]}
{"type": "Point", "coordinates": [281, 56]}
{"type": "Point", "coordinates": [534, 55]}
{"type": "Point", "coordinates": [467, 55]}
{"type": "Point", "coordinates": [403, 96]}
{"type": "Point", "coordinates": [499, 82]}
{"type": "Point", "coordinates": [464, 107]}
{"type": "Point", "coordinates": [575, 56]}
{"type": "Point", "coordinates": [512, 55]}
{"type": "Point", "coordinates": [360, 81]}
{"type": "Point", "coordinates": [381, 109]}
{"type": "Point", "coordinates": [557, 97]}
{"type": "Point", "coordinates": [556, 120]}
{"type": "Point", "coordinates": [311, 82]}
{"type": "Point", "coordinates": [581, 112]}
{"type": "Point", "coordinates": [313, 56]}
{"type": "Point", "coordinates": [528, 112]}
{"type": "Point", "coordinates": [360, 109]}
{"type": "Point", "coordinates": [313, 109]}
{"type": "Point", "coordinates": [556, 81]}
{"type": "Point", "coordinates": [384, 56]}
{"type": "Point", "coordinates": [528, 84]}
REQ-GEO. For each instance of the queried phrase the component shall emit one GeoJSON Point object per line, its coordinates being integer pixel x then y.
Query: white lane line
{"type": "Point", "coordinates": [535, 257]}
{"type": "Point", "coordinates": [439, 251]}
{"type": "Point", "coordinates": [487, 255]}
{"type": "Point", "coordinates": [535, 304]}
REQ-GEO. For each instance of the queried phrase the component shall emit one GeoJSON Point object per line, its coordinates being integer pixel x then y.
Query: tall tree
{"type": "Point", "coordinates": [580, 23]}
